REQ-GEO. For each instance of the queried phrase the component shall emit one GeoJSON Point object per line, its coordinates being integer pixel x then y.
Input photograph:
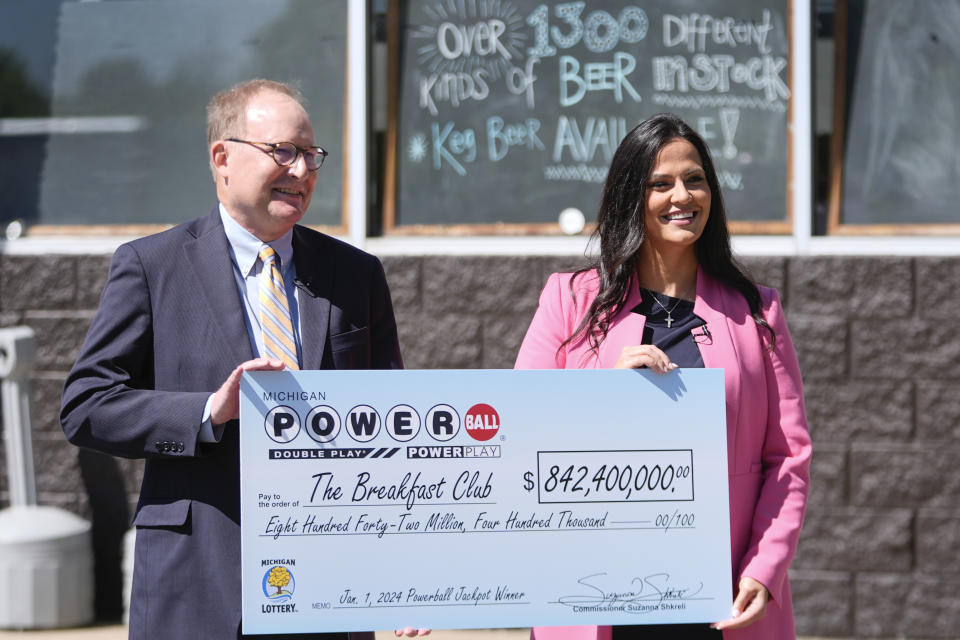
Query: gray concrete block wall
{"type": "Point", "coordinates": [57, 296]}
{"type": "Point", "coordinates": [878, 347]}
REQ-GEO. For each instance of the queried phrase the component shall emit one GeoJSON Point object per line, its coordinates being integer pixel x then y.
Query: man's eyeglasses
{"type": "Point", "coordinates": [286, 153]}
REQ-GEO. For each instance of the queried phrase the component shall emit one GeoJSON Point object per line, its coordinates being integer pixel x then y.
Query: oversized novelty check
{"type": "Point", "coordinates": [475, 499]}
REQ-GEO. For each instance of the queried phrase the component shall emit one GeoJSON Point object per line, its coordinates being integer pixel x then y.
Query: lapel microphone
{"type": "Point", "coordinates": [701, 333]}
{"type": "Point", "coordinates": [305, 283]}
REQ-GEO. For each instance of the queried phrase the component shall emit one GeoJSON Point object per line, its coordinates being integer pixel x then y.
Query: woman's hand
{"type": "Point", "coordinates": [410, 632]}
{"type": "Point", "coordinates": [749, 606]}
{"type": "Point", "coordinates": [644, 355]}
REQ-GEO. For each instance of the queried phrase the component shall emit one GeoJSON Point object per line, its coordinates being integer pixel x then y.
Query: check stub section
{"type": "Point", "coordinates": [476, 499]}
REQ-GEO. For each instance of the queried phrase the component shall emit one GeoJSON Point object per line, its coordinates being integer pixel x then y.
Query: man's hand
{"type": "Point", "coordinates": [226, 401]}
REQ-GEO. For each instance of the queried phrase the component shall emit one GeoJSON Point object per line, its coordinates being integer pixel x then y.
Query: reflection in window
{"type": "Point", "coordinates": [102, 111]}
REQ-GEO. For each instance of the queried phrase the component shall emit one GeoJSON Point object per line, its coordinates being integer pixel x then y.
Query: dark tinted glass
{"type": "Point", "coordinates": [102, 104]}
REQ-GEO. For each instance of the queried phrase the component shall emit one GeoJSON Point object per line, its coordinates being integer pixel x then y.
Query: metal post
{"type": "Point", "coordinates": [802, 87]}
{"type": "Point", "coordinates": [357, 114]}
{"type": "Point", "coordinates": [18, 350]}
{"type": "Point", "coordinates": [46, 556]}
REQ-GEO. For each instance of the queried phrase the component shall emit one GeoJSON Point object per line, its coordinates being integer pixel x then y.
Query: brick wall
{"type": "Point", "coordinates": [878, 345]}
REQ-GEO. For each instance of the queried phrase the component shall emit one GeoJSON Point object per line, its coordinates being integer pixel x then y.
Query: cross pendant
{"type": "Point", "coordinates": [669, 320]}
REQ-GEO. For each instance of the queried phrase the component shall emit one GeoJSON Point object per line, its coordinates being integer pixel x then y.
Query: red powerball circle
{"type": "Point", "coordinates": [482, 422]}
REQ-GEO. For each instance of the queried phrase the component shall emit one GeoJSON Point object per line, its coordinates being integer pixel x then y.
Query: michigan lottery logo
{"type": "Point", "coordinates": [278, 585]}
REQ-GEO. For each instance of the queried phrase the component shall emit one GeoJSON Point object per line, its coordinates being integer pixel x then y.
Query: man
{"type": "Point", "coordinates": [183, 314]}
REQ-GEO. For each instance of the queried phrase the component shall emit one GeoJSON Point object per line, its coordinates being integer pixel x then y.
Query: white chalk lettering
{"type": "Point", "coordinates": [600, 33]}
{"type": "Point", "coordinates": [500, 136]}
{"type": "Point", "coordinates": [480, 39]}
{"type": "Point", "coordinates": [695, 29]}
{"type": "Point", "coordinates": [718, 73]}
{"type": "Point", "coordinates": [448, 143]}
{"type": "Point", "coordinates": [582, 145]}
{"type": "Point", "coordinates": [541, 26]}
{"type": "Point", "coordinates": [569, 12]}
{"type": "Point", "coordinates": [520, 81]}
{"type": "Point", "coordinates": [453, 88]}
{"type": "Point", "coordinates": [597, 76]}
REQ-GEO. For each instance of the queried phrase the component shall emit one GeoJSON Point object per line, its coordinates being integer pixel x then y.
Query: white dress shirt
{"type": "Point", "coordinates": [245, 257]}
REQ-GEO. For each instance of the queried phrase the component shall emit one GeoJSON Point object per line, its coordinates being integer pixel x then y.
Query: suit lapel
{"type": "Point", "coordinates": [208, 254]}
{"type": "Point", "coordinates": [719, 351]}
{"type": "Point", "coordinates": [315, 286]}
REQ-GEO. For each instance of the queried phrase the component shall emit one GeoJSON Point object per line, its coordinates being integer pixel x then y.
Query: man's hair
{"type": "Point", "coordinates": [227, 110]}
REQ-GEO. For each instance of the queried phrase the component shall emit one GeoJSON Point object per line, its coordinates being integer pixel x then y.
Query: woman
{"type": "Point", "coordinates": [665, 292]}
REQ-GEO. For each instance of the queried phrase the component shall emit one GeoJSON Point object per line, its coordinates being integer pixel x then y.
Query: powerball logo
{"type": "Point", "coordinates": [482, 422]}
{"type": "Point", "coordinates": [323, 424]}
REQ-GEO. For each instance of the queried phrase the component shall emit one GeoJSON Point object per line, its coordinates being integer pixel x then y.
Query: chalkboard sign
{"type": "Point", "coordinates": [509, 111]}
{"type": "Point", "coordinates": [127, 137]}
{"type": "Point", "coordinates": [896, 149]}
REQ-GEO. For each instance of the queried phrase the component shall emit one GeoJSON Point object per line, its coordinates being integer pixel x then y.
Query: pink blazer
{"type": "Point", "coordinates": [768, 443]}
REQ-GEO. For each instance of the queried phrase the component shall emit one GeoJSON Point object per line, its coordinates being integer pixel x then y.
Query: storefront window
{"type": "Point", "coordinates": [102, 118]}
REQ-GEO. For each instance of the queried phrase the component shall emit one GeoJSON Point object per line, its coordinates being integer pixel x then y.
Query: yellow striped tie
{"type": "Point", "coordinates": [275, 312]}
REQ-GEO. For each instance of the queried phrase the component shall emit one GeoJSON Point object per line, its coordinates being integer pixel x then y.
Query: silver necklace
{"type": "Point", "coordinates": [670, 310]}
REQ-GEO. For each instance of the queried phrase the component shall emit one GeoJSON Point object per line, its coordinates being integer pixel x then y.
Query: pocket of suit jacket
{"type": "Point", "coordinates": [351, 349]}
{"type": "Point", "coordinates": [171, 514]}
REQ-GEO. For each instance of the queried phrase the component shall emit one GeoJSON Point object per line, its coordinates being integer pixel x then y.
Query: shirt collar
{"type": "Point", "coordinates": [246, 246]}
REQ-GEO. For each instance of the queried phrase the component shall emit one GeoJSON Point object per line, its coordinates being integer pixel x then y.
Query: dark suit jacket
{"type": "Point", "coordinates": [169, 330]}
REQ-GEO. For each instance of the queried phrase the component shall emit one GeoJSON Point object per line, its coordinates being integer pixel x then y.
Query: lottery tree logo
{"type": "Point", "coordinates": [278, 584]}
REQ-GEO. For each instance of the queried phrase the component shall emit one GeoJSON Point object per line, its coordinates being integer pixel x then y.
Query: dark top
{"type": "Point", "coordinates": [676, 339]}
{"type": "Point", "coordinates": [673, 332]}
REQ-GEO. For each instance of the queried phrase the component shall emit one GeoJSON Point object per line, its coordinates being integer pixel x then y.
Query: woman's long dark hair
{"type": "Point", "coordinates": [621, 227]}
